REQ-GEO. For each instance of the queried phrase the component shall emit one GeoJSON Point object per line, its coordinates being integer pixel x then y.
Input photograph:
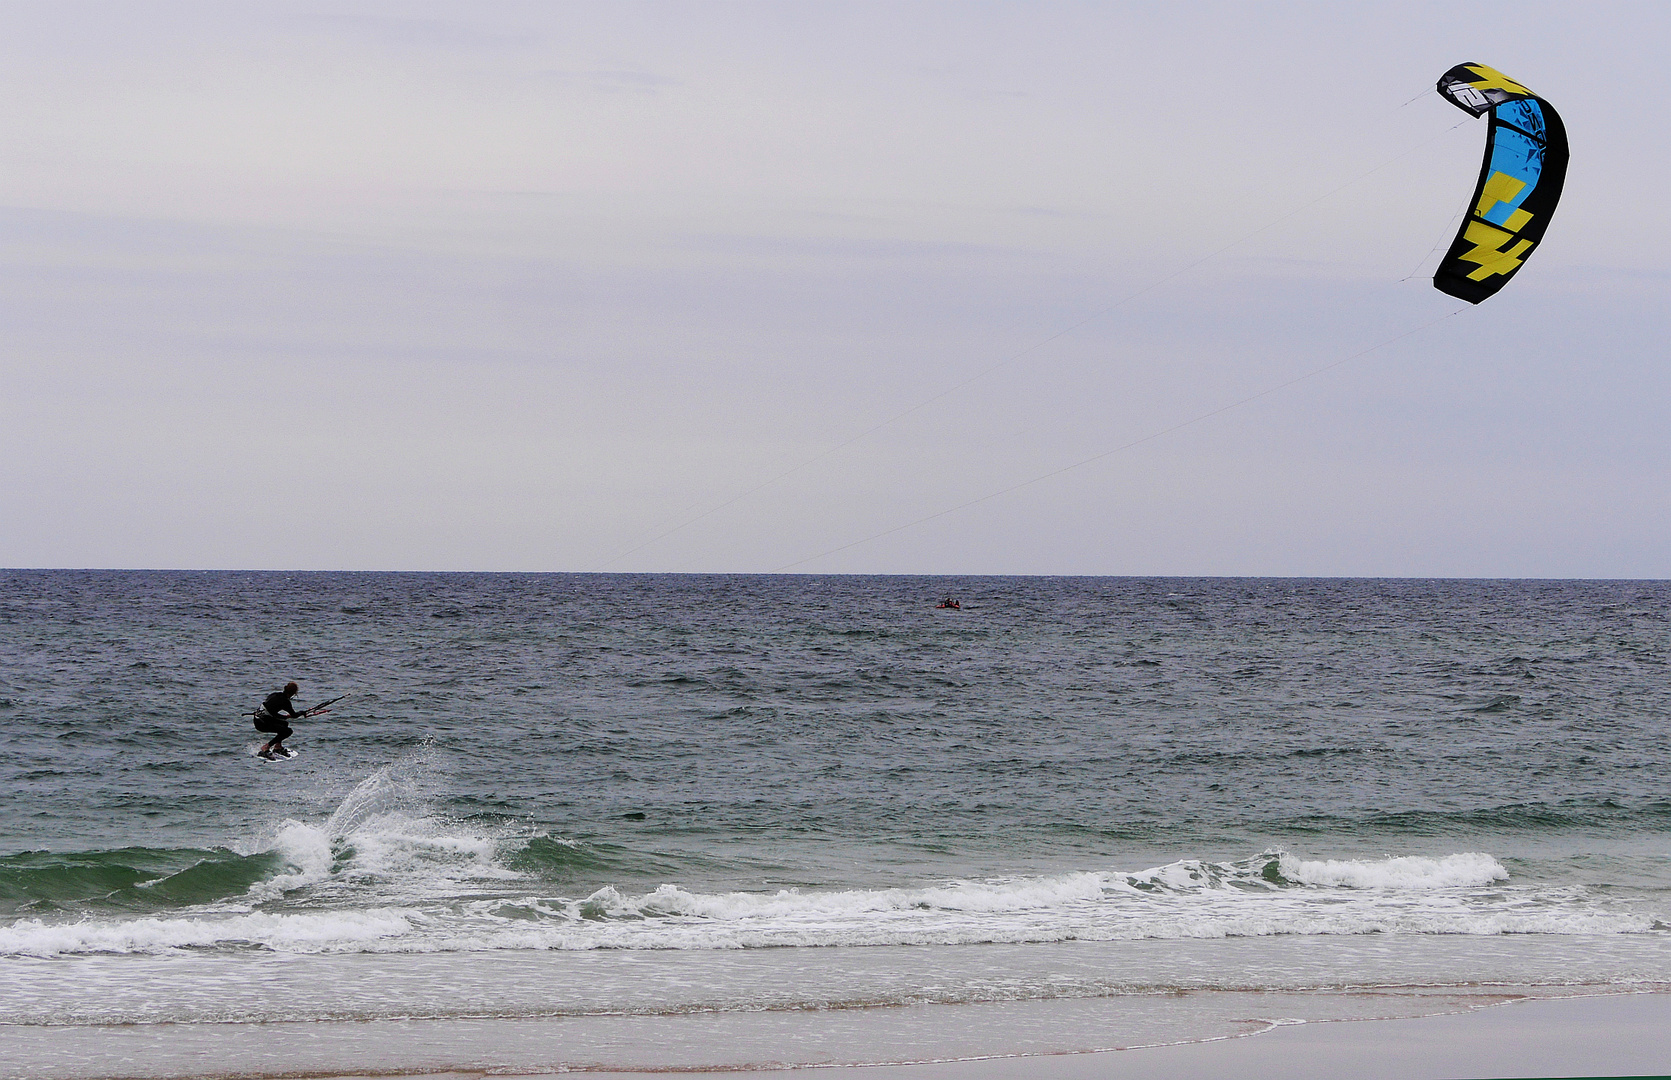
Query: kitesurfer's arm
{"type": "Point", "coordinates": [278, 704]}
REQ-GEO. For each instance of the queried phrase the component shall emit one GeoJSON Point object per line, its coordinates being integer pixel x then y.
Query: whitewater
{"type": "Point", "coordinates": [398, 881]}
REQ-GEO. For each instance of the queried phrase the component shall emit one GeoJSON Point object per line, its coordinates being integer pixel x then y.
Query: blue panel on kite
{"type": "Point", "coordinates": [1520, 181]}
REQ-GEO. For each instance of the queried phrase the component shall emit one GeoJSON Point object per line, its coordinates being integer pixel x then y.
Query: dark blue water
{"type": "Point", "coordinates": [1069, 788]}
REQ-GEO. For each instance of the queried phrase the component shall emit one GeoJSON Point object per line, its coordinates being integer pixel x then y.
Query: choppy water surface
{"type": "Point", "coordinates": [645, 799]}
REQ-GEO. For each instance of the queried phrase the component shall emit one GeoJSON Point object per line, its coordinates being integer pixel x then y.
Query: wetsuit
{"type": "Point", "coordinates": [271, 716]}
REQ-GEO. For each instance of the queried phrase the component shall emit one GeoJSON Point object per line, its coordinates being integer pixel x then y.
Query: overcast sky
{"type": "Point", "coordinates": [509, 286]}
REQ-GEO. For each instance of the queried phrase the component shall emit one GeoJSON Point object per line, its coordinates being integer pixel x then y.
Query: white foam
{"type": "Point", "coordinates": [1076, 906]}
{"type": "Point", "coordinates": [1464, 870]}
{"type": "Point", "coordinates": [302, 933]}
{"type": "Point", "coordinates": [1025, 894]}
{"type": "Point", "coordinates": [392, 878]}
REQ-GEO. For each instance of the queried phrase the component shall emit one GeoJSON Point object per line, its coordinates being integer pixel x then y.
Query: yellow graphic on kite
{"type": "Point", "coordinates": [1520, 181]}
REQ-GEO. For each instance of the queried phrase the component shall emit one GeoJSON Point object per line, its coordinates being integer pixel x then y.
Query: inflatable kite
{"type": "Point", "coordinates": [1520, 181]}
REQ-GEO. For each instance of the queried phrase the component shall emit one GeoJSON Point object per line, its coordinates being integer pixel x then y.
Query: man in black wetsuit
{"type": "Point", "coordinates": [271, 718]}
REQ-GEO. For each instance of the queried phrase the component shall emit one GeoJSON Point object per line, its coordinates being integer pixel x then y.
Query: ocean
{"type": "Point", "coordinates": [690, 821]}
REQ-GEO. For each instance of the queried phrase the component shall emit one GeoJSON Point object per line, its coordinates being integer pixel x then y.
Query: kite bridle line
{"type": "Point", "coordinates": [1450, 229]}
{"type": "Point", "coordinates": [1030, 349]}
{"type": "Point", "coordinates": [1151, 437]}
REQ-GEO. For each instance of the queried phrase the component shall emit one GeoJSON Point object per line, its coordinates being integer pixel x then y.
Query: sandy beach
{"type": "Point", "coordinates": [1618, 1035]}
{"type": "Point", "coordinates": [1613, 1036]}
{"type": "Point", "coordinates": [1627, 1035]}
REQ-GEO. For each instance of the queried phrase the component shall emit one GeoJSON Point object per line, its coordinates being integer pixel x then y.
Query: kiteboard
{"type": "Point", "coordinates": [255, 752]}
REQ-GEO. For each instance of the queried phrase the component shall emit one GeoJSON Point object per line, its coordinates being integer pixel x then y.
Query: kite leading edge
{"type": "Point", "coordinates": [1520, 181]}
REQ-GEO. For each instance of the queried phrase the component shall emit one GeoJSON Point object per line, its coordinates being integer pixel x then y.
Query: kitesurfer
{"type": "Point", "coordinates": [271, 718]}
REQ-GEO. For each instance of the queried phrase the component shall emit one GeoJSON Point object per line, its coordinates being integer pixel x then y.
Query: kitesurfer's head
{"type": "Point", "coordinates": [291, 688]}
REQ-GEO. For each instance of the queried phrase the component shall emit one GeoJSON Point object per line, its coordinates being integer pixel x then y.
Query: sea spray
{"type": "Point", "coordinates": [385, 838]}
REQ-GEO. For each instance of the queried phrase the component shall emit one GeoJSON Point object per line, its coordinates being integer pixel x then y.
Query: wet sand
{"type": "Point", "coordinates": [1614, 1036]}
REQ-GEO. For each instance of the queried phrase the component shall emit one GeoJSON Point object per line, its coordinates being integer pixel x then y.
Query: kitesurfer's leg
{"type": "Point", "coordinates": [268, 724]}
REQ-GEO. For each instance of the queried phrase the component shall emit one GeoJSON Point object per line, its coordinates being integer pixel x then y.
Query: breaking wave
{"type": "Point", "coordinates": [378, 877]}
{"type": "Point", "coordinates": [384, 874]}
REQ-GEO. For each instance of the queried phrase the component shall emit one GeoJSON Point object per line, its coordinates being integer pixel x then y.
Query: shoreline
{"type": "Point", "coordinates": [1614, 1034]}
{"type": "Point", "coordinates": [1590, 1036]}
